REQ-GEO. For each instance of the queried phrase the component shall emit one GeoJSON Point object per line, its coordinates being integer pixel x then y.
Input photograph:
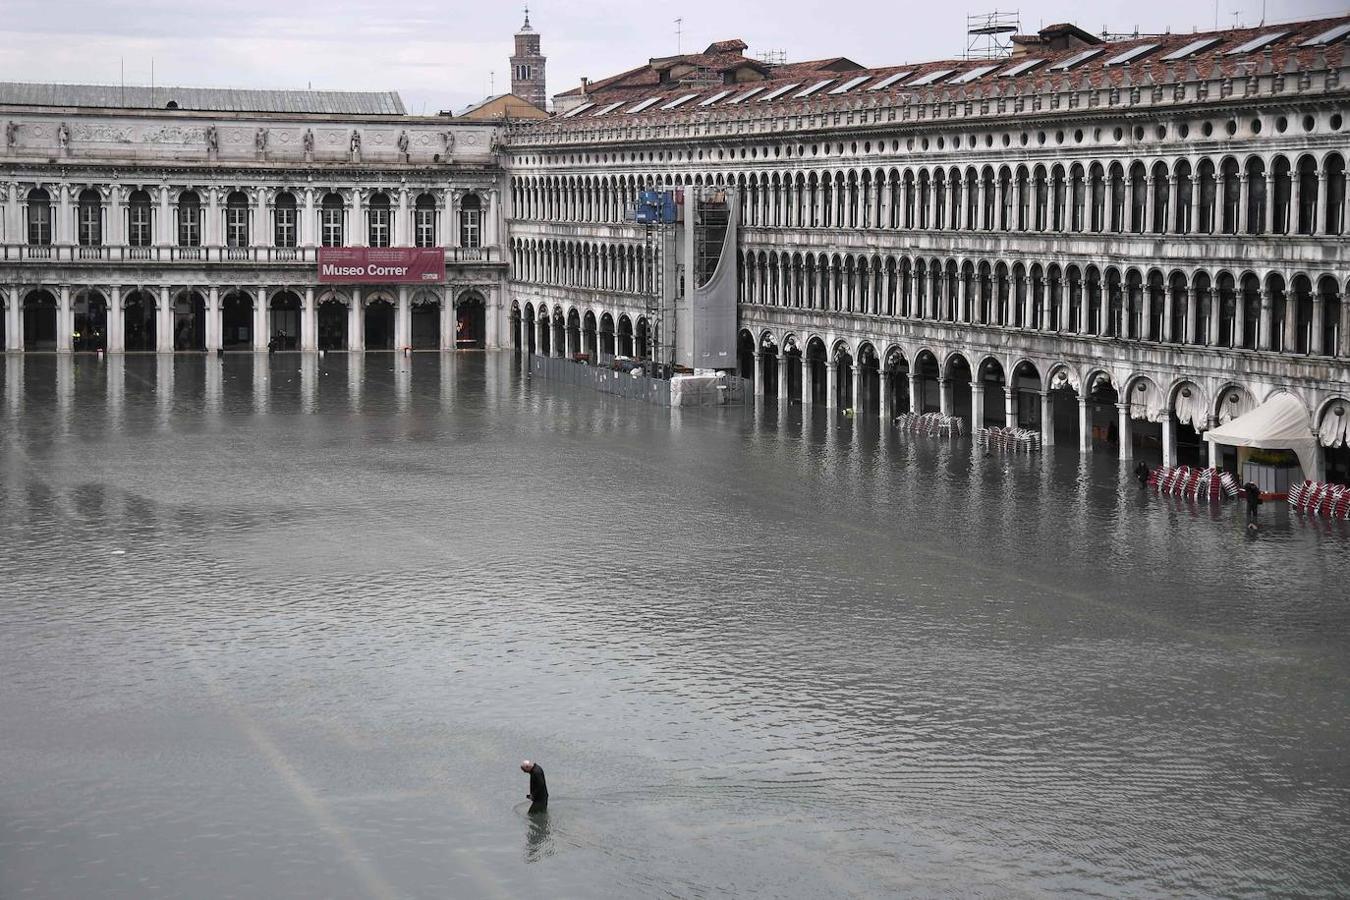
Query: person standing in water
{"type": "Point", "coordinates": [1253, 502]}
{"type": "Point", "coordinates": [538, 794]}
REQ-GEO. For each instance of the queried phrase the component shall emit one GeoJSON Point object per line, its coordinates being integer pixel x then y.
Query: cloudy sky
{"type": "Point", "coordinates": [441, 54]}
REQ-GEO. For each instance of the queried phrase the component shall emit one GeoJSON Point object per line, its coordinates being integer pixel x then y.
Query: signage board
{"type": "Point", "coordinates": [381, 265]}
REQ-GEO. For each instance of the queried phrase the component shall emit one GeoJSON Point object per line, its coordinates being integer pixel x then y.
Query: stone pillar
{"type": "Point", "coordinates": [309, 221]}
{"type": "Point", "coordinates": [886, 406]}
{"type": "Point", "coordinates": [1213, 315]}
{"type": "Point", "coordinates": [1009, 406]}
{"type": "Point", "coordinates": [65, 317]}
{"type": "Point", "coordinates": [1084, 429]}
{"type": "Point", "coordinates": [808, 381]}
{"type": "Point", "coordinates": [165, 229]}
{"type": "Point", "coordinates": [944, 396]}
{"type": "Point", "coordinates": [1291, 320]}
{"type": "Point", "coordinates": [1047, 419]}
{"type": "Point", "coordinates": [115, 233]}
{"type": "Point", "coordinates": [402, 232]}
{"type": "Point", "coordinates": [976, 405]}
{"type": "Point", "coordinates": [1125, 429]}
{"type": "Point", "coordinates": [211, 229]}
{"type": "Point", "coordinates": [1295, 198]}
{"type": "Point", "coordinates": [356, 228]}
{"type": "Point", "coordinates": [117, 321]}
{"type": "Point", "coordinates": [163, 323]}
{"type": "Point", "coordinates": [1319, 217]}
{"type": "Point", "coordinates": [63, 232]}
{"type": "Point", "coordinates": [446, 318]}
{"type": "Point", "coordinates": [309, 321]}
{"type": "Point", "coordinates": [356, 322]}
{"type": "Point", "coordinates": [14, 327]}
{"type": "Point", "coordinates": [855, 398]}
{"type": "Point", "coordinates": [782, 378]}
{"type": "Point", "coordinates": [1318, 324]}
{"type": "Point", "coordinates": [1213, 452]}
{"type": "Point", "coordinates": [403, 320]}
{"type": "Point", "coordinates": [1169, 440]}
{"type": "Point", "coordinates": [1169, 308]}
{"type": "Point", "coordinates": [1169, 220]}
{"type": "Point", "coordinates": [214, 324]}
{"type": "Point", "coordinates": [962, 298]}
{"type": "Point", "coordinates": [915, 400]}
{"type": "Point", "coordinates": [1263, 338]}
{"type": "Point", "coordinates": [831, 384]}
{"type": "Point", "coordinates": [261, 324]}
{"type": "Point", "coordinates": [540, 330]}
{"type": "Point", "coordinates": [1192, 314]}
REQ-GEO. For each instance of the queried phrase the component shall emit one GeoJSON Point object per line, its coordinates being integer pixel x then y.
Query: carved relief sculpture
{"type": "Point", "coordinates": [11, 134]}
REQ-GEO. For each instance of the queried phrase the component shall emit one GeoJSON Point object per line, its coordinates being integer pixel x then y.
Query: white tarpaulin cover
{"type": "Point", "coordinates": [1192, 410]}
{"type": "Point", "coordinates": [1335, 430]}
{"type": "Point", "coordinates": [1281, 423]}
{"type": "Point", "coordinates": [1149, 404]}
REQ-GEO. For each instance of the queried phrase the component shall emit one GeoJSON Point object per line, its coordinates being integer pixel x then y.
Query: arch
{"type": "Point", "coordinates": [139, 325]}
{"type": "Point", "coordinates": [470, 321]}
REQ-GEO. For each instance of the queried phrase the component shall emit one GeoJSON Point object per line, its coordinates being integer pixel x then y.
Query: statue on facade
{"type": "Point", "coordinates": [212, 139]}
{"type": "Point", "coordinates": [260, 140]}
{"type": "Point", "coordinates": [63, 136]}
{"type": "Point", "coordinates": [403, 143]}
{"type": "Point", "coordinates": [356, 144]}
{"type": "Point", "coordinates": [449, 138]}
{"type": "Point", "coordinates": [308, 141]}
{"type": "Point", "coordinates": [11, 134]}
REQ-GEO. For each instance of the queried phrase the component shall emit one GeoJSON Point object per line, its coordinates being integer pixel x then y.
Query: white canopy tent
{"type": "Point", "coordinates": [1281, 423]}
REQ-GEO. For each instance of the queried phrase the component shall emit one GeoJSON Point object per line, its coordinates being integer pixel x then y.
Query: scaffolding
{"type": "Point", "coordinates": [989, 35]}
{"type": "Point", "coordinates": [709, 235]}
{"type": "Point", "coordinates": [775, 57]}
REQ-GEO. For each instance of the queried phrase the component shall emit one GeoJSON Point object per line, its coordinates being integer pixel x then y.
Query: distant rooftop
{"type": "Point", "coordinates": [112, 96]}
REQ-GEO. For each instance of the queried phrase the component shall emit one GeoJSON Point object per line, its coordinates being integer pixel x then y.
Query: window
{"type": "Point", "coordinates": [90, 218]}
{"type": "Point", "coordinates": [284, 217]}
{"type": "Point", "coordinates": [471, 221]}
{"type": "Point", "coordinates": [380, 218]}
{"type": "Point", "coordinates": [189, 219]}
{"type": "Point", "coordinates": [236, 219]}
{"type": "Point", "coordinates": [330, 219]}
{"type": "Point", "coordinates": [39, 217]}
{"type": "Point", "coordinates": [139, 232]}
{"type": "Point", "coordinates": [425, 224]}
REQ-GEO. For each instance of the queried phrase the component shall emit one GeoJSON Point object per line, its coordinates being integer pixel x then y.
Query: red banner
{"type": "Point", "coordinates": [381, 265]}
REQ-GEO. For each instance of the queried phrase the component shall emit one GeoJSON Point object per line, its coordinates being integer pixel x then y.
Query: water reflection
{"type": "Point", "coordinates": [271, 623]}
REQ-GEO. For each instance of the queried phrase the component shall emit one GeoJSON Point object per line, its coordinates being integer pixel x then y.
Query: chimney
{"type": "Point", "coordinates": [585, 85]}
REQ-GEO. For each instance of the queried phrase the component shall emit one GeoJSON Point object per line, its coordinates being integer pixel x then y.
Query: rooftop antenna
{"type": "Point", "coordinates": [123, 63]}
{"type": "Point", "coordinates": [492, 83]}
{"type": "Point", "coordinates": [152, 81]}
{"type": "Point", "coordinates": [679, 37]}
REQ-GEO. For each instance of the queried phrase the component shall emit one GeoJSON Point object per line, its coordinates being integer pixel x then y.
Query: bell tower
{"type": "Point", "coordinates": [527, 66]}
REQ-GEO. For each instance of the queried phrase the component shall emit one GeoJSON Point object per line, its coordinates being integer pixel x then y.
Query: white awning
{"type": "Point", "coordinates": [1281, 423]}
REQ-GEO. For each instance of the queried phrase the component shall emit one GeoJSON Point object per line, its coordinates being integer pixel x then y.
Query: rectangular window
{"type": "Point", "coordinates": [380, 220]}
{"type": "Point", "coordinates": [138, 225]}
{"type": "Point", "coordinates": [285, 226]}
{"type": "Point", "coordinates": [91, 225]}
{"type": "Point", "coordinates": [426, 228]}
{"type": "Point", "coordinates": [236, 227]}
{"type": "Point", "coordinates": [470, 221]}
{"type": "Point", "coordinates": [39, 223]}
{"type": "Point", "coordinates": [332, 227]}
{"type": "Point", "coordinates": [189, 226]}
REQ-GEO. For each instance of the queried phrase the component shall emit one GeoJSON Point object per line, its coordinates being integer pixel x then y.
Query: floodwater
{"type": "Point", "coordinates": [284, 627]}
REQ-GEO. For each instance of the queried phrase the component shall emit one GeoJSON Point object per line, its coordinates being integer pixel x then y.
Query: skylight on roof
{"type": "Point", "coordinates": [608, 109]}
{"type": "Point", "coordinates": [714, 98]}
{"type": "Point", "coordinates": [577, 111]}
{"type": "Point", "coordinates": [747, 95]}
{"type": "Point", "coordinates": [812, 89]}
{"type": "Point", "coordinates": [1130, 55]}
{"type": "Point", "coordinates": [891, 79]}
{"type": "Point", "coordinates": [848, 85]}
{"type": "Point", "coordinates": [641, 105]}
{"type": "Point", "coordinates": [968, 77]}
{"type": "Point", "coordinates": [930, 78]}
{"type": "Point", "coordinates": [1191, 49]}
{"type": "Point", "coordinates": [1256, 43]}
{"type": "Point", "coordinates": [679, 100]}
{"type": "Point", "coordinates": [1022, 67]}
{"type": "Point", "coordinates": [779, 91]}
{"type": "Point", "coordinates": [1065, 65]}
{"type": "Point", "coordinates": [1329, 36]}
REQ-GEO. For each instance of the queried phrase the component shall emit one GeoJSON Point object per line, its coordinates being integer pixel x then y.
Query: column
{"type": "Point", "coordinates": [1145, 312]}
{"type": "Point", "coordinates": [962, 300]}
{"type": "Point", "coordinates": [831, 385]}
{"type": "Point", "coordinates": [309, 321]}
{"type": "Point", "coordinates": [14, 328]}
{"type": "Point", "coordinates": [493, 211]}
{"type": "Point", "coordinates": [356, 322]}
{"type": "Point", "coordinates": [855, 398]}
{"type": "Point", "coordinates": [1169, 220]}
{"type": "Point", "coordinates": [1192, 314]}
{"type": "Point", "coordinates": [1318, 323]}
{"type": "Point", "coordinates": [117, 321]}
{"type": "Point", "coordinates": [808, 381]}
{"type": "Point", "coordinates": [758, 373]}
{"type": "Point", "coordinates": [1009, 406]}
{"type": "Point", "coordinates": [261, 326]}
{"type": "Point", "coordinates": [356, 228]}
{"type": "Point", "coordinates": [915, 400]}
{"type": "Point", "coordinates": [165, 229]}
{"type": "Point", "coordinates": [1291, 319]}
{"type": "Point", "coordinates": [1319, 218]}
{"type": "Point", "coordinates": [944, 396]}
{"type": "Point", "coordinates": [403, 319]}
{"type": "Point", "coordinates": [447, 321]}
{"type": "Point", "coordinates": [1213, 448]}
{"type": "Point", "coordinates": [211, 236]}
{"type": "Point", "coordinates": [886, 382]}
{"type": "Point", "coordinates": [998, 202]}
{"type": "Point", "coordinates": [308, 221]}
{"type": "Point", "coordinates": [782, 378]}
{"type": "Point", "coordinates": [1169, 440]}
{"type": "Point", "coordinates": [65, 317]}
{"type": "Point", "coordinates": [117, 218]}
{"type": "Point", "coordinates": [1047, 419]}
{"type": "Point", "coordinates": [1263, 340]}
{"type": "Point", "coordinates": [1084, 431]}
{"type": "Point", "coordinates": [1270, 223]}
{"type": "Point", "coordinates": [976, 405]}
{"type": "Point", "coordinates": [163, 323]}
{"type": "Point", "coordinates": [213, 321]}
{"type": "Point", "coordinates": [402, 235]}
{"type": "Point", "coordinates": [1213, 315]}
{"type": "Point", "coordinates": [540, 329]}
{"type": "Point", "coordinates": [1125, 429]}
{"type": "Point", "coordinates": [1169, 306]}
{"type": "Point", "coordinates": [1295, 198]}
{"type": "Point", "coordinates": [63, 233]}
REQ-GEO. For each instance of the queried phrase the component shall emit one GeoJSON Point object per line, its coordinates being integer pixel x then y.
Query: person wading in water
{"type": "Point", "coordinates": [538, 794]}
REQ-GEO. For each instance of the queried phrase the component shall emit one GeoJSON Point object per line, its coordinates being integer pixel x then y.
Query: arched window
{"type": "Point", "coordinates": [331, 216]}
{"type": "Point", "coordinates": [189, 219]}
{"type": "Point", "coordinates": [236, 219]}
{"type": "Point", "coordinates": [1335, 180]}
{"type": "Point", "coordinates": [425, 221]}
{"type": "Point", "coordinates": [90, 218]}
{"type": "Point", "coordinates": [39, 218]}
{"type": "Point", "coordinates": [471, 221]}
{"type": "Point", "coordinates": [140, 231]}
{"type": "Point", "coordinates": [380, 220]}
{"type": "Point", "coordinates": [284, 220]}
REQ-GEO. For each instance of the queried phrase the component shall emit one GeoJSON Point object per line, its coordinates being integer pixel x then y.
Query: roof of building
{"type": "Point", "coordinates": [112, 96]}
{"type": "Point", "coordinates": [503, 105]}
{"type": "Point", "coordinates": [1058, 55]}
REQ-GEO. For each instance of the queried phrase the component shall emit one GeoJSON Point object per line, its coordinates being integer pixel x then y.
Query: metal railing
{"type": "Point", "coordinates": [175, 254]}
